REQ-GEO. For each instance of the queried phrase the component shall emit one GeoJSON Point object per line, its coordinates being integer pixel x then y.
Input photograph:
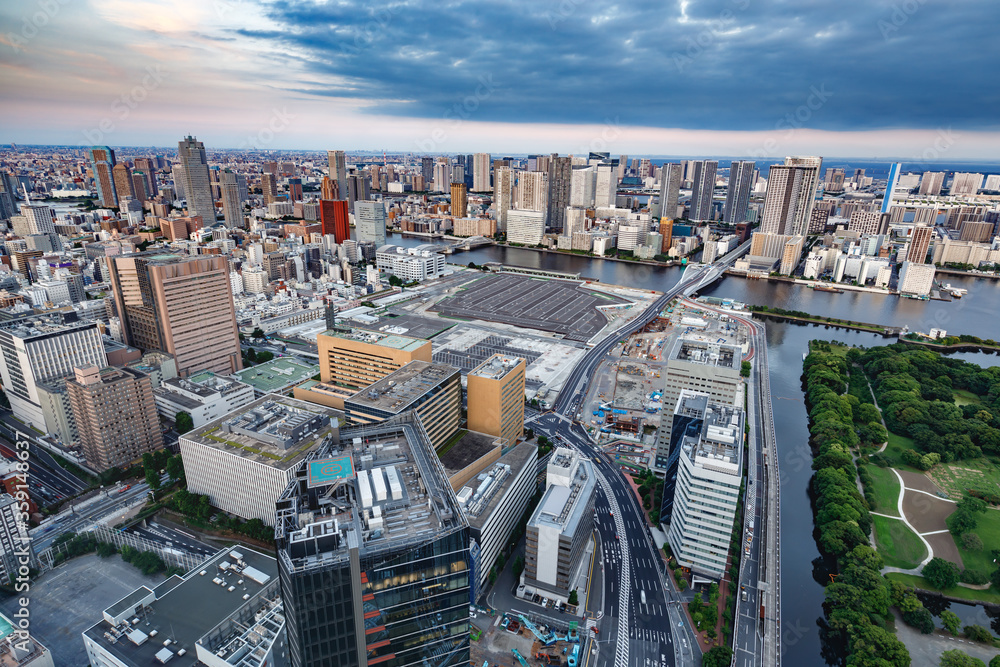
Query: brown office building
{"type": "Point", "coordinates": [334, 218]}
{"type": "Point", "coordinates": [920, 242]}
{"type": "Point", "coordinates": [352, 359]}
{"type": "Point", "coordinates": [180, 228]}
{"type": "Point", "coordinates": [496, 398]}
{"type": "Point", "coordinates": [115, 415]}
{"type": "Point", "coordinates": [178, 304]}
{"type": "Point", "coordinates": [459, 200]}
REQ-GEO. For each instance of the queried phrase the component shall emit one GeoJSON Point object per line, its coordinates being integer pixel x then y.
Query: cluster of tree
{"type": "Point", "coordinates": [915, 389]}
{"type": "Point", "coordinates": [197, 506]}
{"type": "Point", "coordinates": [719, 656]}
{"type": "Point", "coordinates": [745, 368]}
{"type": "Point", "coordinates": [183, 422]}
{"type": "Point", "coordinates": [957, 340]}
{"type": "Point", "coordinates": [857, 602]}
{"type": "Point", "coordinates": [706, 616]}
{"type": "Point", "coordinates": [72, 545]}
{"type": "Point", "coordinates": [651, 492]}
{"type": "Point", "coordinates": [161, 459]}
{"type": "Point", "coordinates": [781, 311]}
{"type": "Point", "coordinates": [252, 356]}
{"type": "Point", "coordinates": [958, 658]}
{"type": "Point", "coordinates": [147, 562]}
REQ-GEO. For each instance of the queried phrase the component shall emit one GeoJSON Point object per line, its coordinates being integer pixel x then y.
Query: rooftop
{"type": "Point", "coordinates": [195, 391]}
{"type": "Point", "coordinates": [176, 616]}
{"type": "Point", "coordinates": [275, 430]}
{"type": "Point", "coordinates": [394, 341]}
{"type": "Point", "coordinates": [496, 367]}
{"type": "Point", "coordinates": [400, 389]}
{"type": "Point", "coordinates": [276, 375]}
{"type": "Point", "coordinates": [718, 446]}
{"type": "Point", "coordinates": [571, 482]}
{"type": "Point", "coordinates": [378, 488]}
{"type": "Point", "coordinates": [484, 492]}
{"type": "Point", "coordinates": [470, 448]}
{"type": "Point", "coordinates": [721, 355]}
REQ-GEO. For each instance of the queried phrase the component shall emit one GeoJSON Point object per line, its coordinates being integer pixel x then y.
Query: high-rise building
{"type": "Point", "coordinates": [916, 279]}
{"type": "Point", "coordinates": [532, 191]}
{"type": "Point", "coordinates": [503, 193]}
{"type": "Point", "coordinates": [741, 178]}
{"type": "Point", "coordinates": [294, 189]}
{"type": "Point", "coordinates": [37, 352]}
{"type": "Point", "coordinates": [707, 485]}
{"type": "Point", "coordinates": [369, 222]}
{"type": "Point", "coordinates": [670, 186]}
{"type": "Point", "coordinates": [373, 553]}
{"type": "Point", "coordinates": [920, 244]}
{"type": "Point", "coordinates": [338, 173]}
{"type": "Point", "coordinates": [15, 543]}
{"type": "Point", "coordinates": [710, 368]}
{"type": "Point", "coordinates": [147, 166]}
{"type": "Point", "coordinates": [432, 390]}
{"type": "Point", "coordinates": [890, 186]}
{"type": "Point", "coordinates": [560, 527]}
{"type": "Point", "coordinates": [702, 190]}
{"type": "Point", "coordinates": [177, 175]}
{"type": "Point", "coordinates": [102, 163]}
{"type": "Point", "coordinates": [833, 181]}
{"type": "Point", "coordinates": [442, 175]}
{"type": "Point", "coordinates": [232, 206]}
{"type": "Point", "coordinates": [459, 200]}
{"type": "Point", "coordinates": [123, 182]}
{"type": "Point", "coordinates": [782, 212]}
{"type": "Point", "coordinates": [115, 415]}
{"type": "Point", "coordinates": [178, 304]}
{"type": "Point", "coordinates": [560, 182]}
{"type": "Point", "coordinates": [139, 186]}
{"type": "Point", "coordinates": [39, 219]}
{"type": "Point", "coordinates": [269, 188]}
{"type": "Point", "coordinates": [581, 188]}
{"type": "Point", "coordinates": [810, 166]}
{"type": "Point", "coordinates": [496, 398]}
{"type": "Point", "coordinates": [197, 183]}
{"type": "Point", "coordinates": [527, 227]}
{"type": "Point", "coordinates": [358, 189]}
{"type": "Point", "coordinates": [334, 218]}
{"type": "Point", "coordinates": [966, 184]}
{"type": "Point", "coordinates": [606, 185]}
{"type": "Point", "coordinates": [481, 172]}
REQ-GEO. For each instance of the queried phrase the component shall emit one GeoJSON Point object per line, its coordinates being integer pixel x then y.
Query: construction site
{"type": "Point", "coordinates": [513, 639]}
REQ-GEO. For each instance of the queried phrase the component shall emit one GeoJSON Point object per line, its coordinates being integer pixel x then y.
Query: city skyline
{"type": "Point", "coordinates": [290, 75]}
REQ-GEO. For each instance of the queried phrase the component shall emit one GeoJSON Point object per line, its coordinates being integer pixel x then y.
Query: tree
{"type": "Point", "coordinates": [183, 422]}
{"type": "Point", "coordinates": [152, 473]}
{"type": "Point", "coordinates": [258, 333]}
{"type": "Point", "coordinates": [542, 440]}
{"type": "Point", "coordinates": [940, 573]}
{"type": "Point", "coordinates": [264, 356]}
{"type": "Point", "coordinates": [717, 656]}
{"type": "Point", "coordinates": [920, 619]}
{"type": "Point", "coordinates": [995, 662]}
{"type": "Point", "coordinates": [978, 633]}
{"type": "Point", "coordinates": [950, 621]}
{"type": "Point", "coordinates": [745, 369]}
{"type": "Point", "coordinates": [175, 467]}
{"type": "Point", "coordinates": [251, 355]}
{"type": "Point", "coordinates": [573, 599]}
{"type": "Point", "coordinates": [957, 658]}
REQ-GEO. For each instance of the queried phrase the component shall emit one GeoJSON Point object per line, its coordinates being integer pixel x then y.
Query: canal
{"type": "Point", "coordinates": [803, 572]}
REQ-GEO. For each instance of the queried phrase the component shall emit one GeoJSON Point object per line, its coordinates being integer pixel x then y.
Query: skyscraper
{"type": "Point", "coordinates": [373, 553]}
{"type": "Point", "coordinates": [39, 217]}
{"type": "Point", "coordinates": [102, 161]}
{"type": "Point", "coordinates": [741, 176]}
{"type": "Point", "coordinates": [369, 222]}
{"type": "Point", "coordinates": [606, 185]}
{"type": "Point", "coordinates": [334, 218]}
{"type": "Point", "coordinates": [560, 181]}
{"type": "Point", "coordinates": [442, 175]}
{"type": "Point", "coordinates": [338, 172]}
{"type": "Point", "coordinates": [920, 242]}
{"type": "Point", "coordinates": [890, 186]}
{"type": "Point", "coordinates": [232, 206]}
{"type": "Point", "coordinates": [702, 190]}
{"type": "Point", "coordinates": [178, 304]}
{"type": "Point", "coordinates": [269, 187]}
{"type": "Point", "coordinates": [427, 169]}
{"type": "Point", "coordinates": [670, 187]}
{"type": "Point", "coordinates": [503, 191]}
{"type": "Point", "coordinates": [197, 184]}
{"type": "Point", "coordinates": [357, 189]}
{"type": "Point", "coordinates": [811, 166]}
{"type": "Point", "coordinates": [931, 182]}
{"type": "Point", "coordinates": [966, 184]}
{"type": "Point", "coordinates": [532, 190]}
{"type": "Point", "coordinates": [459, 201]}
{"type": "Point", "coordinates": [115, 415]}
{"type": "Point", "coordinates": [481, 172]}
{"type": "Point", "coordinates": [791, 196]}
{"type": "Point", "coordinates": [123, 181]}
{"type": "Point", "coordinates": [148, 168]}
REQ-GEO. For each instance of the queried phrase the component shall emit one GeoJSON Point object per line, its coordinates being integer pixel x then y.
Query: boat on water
{"type": "Point", "coordinates": [827, 288]}
{"type": "Point", "coordinates": [957, 292]}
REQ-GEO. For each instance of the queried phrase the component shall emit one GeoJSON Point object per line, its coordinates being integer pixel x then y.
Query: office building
{"type": "Point", "coordinates": [532, 191]}
{"type": "Point", "coordinates": [581, 188]}
{"type": "Point", "coordinates": [422, 262]}
{"type": "Point", "coordinates": [916, 279]}
{"type": "Point", "coordinates": [232, 205]}
{"type": "Point", "coordinates": [709, 368]}
{"type": "Point", "coordinates": [782, 214]}
{"type": "Point", "coordinates": [115, 415]}
{"type": "Point", "coordinates": [560, 527]}
{"type": "Point", "coordinates": [494, 502]}
{"type": "Point", "coordinates": [351, 359]}
{"type": "Point", "coordinates": [977, 232]}
{"type": "Point", "coordinates": [920, 243]}
{"type": "Point", "coordinates": [123, 182]}
{"type": "Point", "coordinates": [966, 184]}
{"type": "Point", "coordinates": [481, 172]}
{"type": "Point", "coordinates": [741, 179]}
{"type": "Point", "coordinates": [178, 304]}
{"type": "Point", "coordinates": [931, 183]}
{"type": "Point", "coordinates": [702, 190]}
{"type": "Point", "coordinates": [373, 553]}
{"type": "Point", "coordinates": [560, 182]}
{"type": "Point", "coordinates": [369, 222]}
{"type": "Point", "coordinates": [459, 200]}
{"type": "Point", "coordinates": [526, 227]}
{"type": "Point", "coordinates": [833, 181]}
{"type": "Point", "coordinates": [432, 390]}
{"type": "Point", "coordinates": [227, 612]}
{"type": "Point", "coordinates": [605, 185]}
{"type": "Point", "coordinates": [205, 396]}
{"type": "Point", "coordinates": [197, 184]}
{"type": "Point", "coordinates": [244, 461]}
{"type": "Point", "coordinates": [102, 163]}
{"type": "Point", "coordinates": [707, 488]}
{"type": "Point", "coordinates": [338, 172]}
{"type": "Point", "coordinates": [37, 352]}
{"type": "Point", "coordinates": [39, 219]}
{"type": "Point", "coordinates": [269, 188]}
{"type": "Point", "coordinates": [15, 543]}
{"type": "Point", "coordinates": [335, 219]}
{"type": "Point", "coordinates": [496, 398]}
{"type": "Point", "coordinates": [503, 193]}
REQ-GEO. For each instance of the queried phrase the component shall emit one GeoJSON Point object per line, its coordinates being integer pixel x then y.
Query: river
{"type": "Point", "coordinates": [802, 573]}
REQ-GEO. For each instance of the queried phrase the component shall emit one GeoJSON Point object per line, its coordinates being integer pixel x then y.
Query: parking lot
{"type": "Point", "coordinates": [548, 305]}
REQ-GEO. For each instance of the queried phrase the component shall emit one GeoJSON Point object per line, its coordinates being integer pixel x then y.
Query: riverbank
{"type": "Point", "coordinates": [569, 253]}
{"type": "Point", "coordinates": [970, 274]}
{"type": "Point", "coordinates": [763, 312]}
{"type": "Point", "coordinates": [957, 347]}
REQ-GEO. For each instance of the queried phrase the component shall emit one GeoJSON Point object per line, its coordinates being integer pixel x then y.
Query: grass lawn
{"type": "Point", "coordinates": [885, 486]}
{"type": "Point", "coordinates": [965, 397]}
{"type": "Point", "coordinates": [956, 478]}
{"type": "Point", "coordinates": [989, 595]}
{"type": "Point", "coordinates": [988, 530]}
{"type": "Point", "coordinates": [898, 545]}
{"type": "Point", "coordinates": [894, 452]}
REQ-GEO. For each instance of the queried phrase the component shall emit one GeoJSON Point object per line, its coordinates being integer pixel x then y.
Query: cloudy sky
{"type": "Point", "coordinates": [865, 78]}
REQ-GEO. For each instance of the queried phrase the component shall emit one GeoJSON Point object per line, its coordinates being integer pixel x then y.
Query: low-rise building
{"type": "Point", "coordinates": [19, 649]}
{"type": "Point", "coordinates": [411, 264]}
{"type": "Point", "coordinates": [205, 396]}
